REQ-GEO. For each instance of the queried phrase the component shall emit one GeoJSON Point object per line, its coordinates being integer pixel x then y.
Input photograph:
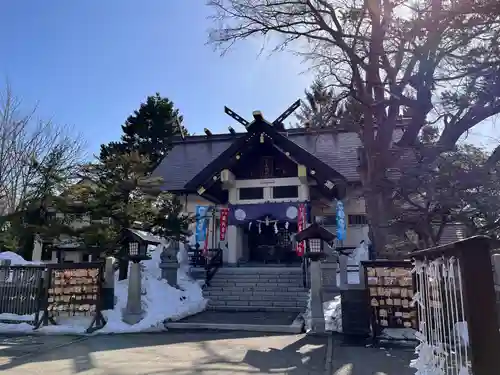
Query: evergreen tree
{"type": "Point", "coordinates": [119, 188]}
{"type": "Point", "coordinates": [323, 108]}
{"type": "Point", "coordinates": [148, 131]}
{"type": "Point", "coordinates": [38, 213]}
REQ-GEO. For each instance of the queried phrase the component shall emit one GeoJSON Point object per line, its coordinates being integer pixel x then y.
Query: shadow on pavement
{"type": "Point", "coordinates": [363, 360]}
{"type": "Point", "coordinates": [211, 351]}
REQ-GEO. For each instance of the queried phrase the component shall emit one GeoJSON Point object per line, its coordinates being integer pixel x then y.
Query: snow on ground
{"type": "Point", "coordinates": [332, 311]}
{"type": "Point", "coordinates": [15, 259]}
{"type": "Point", "coordinates": [160, 302]}
{"type": "Point", "coordinates": [333, 315]}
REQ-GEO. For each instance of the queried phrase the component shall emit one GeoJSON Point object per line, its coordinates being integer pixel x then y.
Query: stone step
{"type": "Point", "coordinates": [257, 305]}
{"type": "Point", "coordinates": [261, 288]}
{"type": "Point", "coordinates": [257, 279]}
{"type": "Point", "coordinates": [260, 270]}
{"type": "Point", "coordinates": [252, 286]}
{"type": "Point", "coordinates": [261, 299]}
{"type": "Point", "coordinates": [255, 292]}
{"type": "Point", "coordinates": [260, 276]}
{"type": "Point", "coordinates": [255, 282]}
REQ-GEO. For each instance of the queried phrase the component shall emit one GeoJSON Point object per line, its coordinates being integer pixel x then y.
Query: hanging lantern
{"type": "Point", "coordinates": [249, 225]}
{"type": "Point", "coordinates": [260, 229]}
{"type": "Point", "coordinates": [276, 227]}
{"type": "Point", "coordinates": [286, 225]}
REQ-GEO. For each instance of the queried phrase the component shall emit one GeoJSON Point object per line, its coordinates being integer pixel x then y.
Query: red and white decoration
{"type": "Point", "coordinates": [300, 226]}
{"type": "Point", "coordinates": [224, 214]}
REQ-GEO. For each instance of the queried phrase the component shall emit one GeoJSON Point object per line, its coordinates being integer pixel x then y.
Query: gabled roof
{"type": "Point", "coordinates": [191, 155]}
{"type": "Point", "coordinates": [261, 132]}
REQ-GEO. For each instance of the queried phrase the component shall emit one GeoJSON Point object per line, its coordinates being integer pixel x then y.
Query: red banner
{"type": "Point", "coordinates": [224, 213]}
{"type": "Point", "coordinates": [300, 226]}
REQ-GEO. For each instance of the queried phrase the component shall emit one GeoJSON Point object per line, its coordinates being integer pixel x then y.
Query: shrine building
{"type": "Point", "coordinates": [272, 181]}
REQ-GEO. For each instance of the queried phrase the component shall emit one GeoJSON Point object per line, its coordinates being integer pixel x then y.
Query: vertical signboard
{"type": "Point", "coordinates": [300, 227]}
{"type": "Point", "coordinates": [224, 214]}
{"type": "Point", "coordinates": [341, 225]}
{"type": "Point", "coordinates": [201, 224]}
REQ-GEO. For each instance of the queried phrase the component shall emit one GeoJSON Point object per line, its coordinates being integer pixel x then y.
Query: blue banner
{"type": "Point", "coordinates": [201, 224]}
{"type": "Point", "coordinates": [341, 226]}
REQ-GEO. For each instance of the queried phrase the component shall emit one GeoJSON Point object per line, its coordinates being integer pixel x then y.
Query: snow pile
{"type": "Point", "coordinates": [15, 259]}
{"type": "Point", "coordinates": [160, 302]}
{"type": "Point", "coordinates": [333, 315]}
{"type": "Point", "coordinates": [332, 311]}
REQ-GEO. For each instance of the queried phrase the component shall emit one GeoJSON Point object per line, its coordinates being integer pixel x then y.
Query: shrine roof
{"type": "Point", "coordinates": [192, 154]}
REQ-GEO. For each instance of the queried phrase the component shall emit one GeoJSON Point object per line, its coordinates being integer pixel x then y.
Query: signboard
{"type": "Point", "coordinates": [201, 224]}
{"type": "Point", "coordinates": [224, 215]}
{"type": "Point", "coordinates": [300, 227]}
{"type": "Point", "coordinates": [340, 216]}
{"type": "Point", "coordinates": [391, 288]}
{"type": "Point", "coordinates": [74, 289]}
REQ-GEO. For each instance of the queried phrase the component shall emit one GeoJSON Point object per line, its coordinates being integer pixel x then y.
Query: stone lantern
{"type": "Point", "coordinates": [315, 236]}
{"type": "Point", "coordinates": [136, 242]}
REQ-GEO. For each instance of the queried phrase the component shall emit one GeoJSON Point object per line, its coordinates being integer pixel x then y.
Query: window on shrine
{"type": "Point", "coordinates": [280, 192]}
{"type": "Point", "coordinates": [331, 220]}
{"type": "Point", "coordinates": [357, 219]}
{"type": "Point", "coordinates": [252, 193]}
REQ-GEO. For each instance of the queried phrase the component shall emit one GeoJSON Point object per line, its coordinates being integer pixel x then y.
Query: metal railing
{"type": "Point", "coordinates": [213, 263]}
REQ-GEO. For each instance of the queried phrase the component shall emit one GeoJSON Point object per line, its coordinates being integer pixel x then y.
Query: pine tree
{"type": "Point", "coordinates": [148, 131]}
{"type": "Point", "coordinates": [38, 213]}
{"type": "Point", "coordinates": [120, 189]}
{"type": "Point", "coordinates": [323, 108]}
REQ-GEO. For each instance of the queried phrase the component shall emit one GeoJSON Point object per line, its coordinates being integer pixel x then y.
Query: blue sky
{"type": "Point", "coordinates": [91, 63]}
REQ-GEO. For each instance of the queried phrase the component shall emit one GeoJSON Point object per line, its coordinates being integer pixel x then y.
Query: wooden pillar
{"type": "Point", "coordinates": [480, 305]}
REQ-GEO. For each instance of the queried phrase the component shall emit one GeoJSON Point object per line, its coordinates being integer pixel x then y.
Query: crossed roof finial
{"type": "Point", "coordinates": [257, 115]}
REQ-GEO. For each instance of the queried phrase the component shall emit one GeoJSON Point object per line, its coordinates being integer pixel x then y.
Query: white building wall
{"type": "Point", "coordinates": [236, 242]}
{"type": "Point", "coordinates": [353, 205]}
{"type": "Point", "coordinates": [189, 203]}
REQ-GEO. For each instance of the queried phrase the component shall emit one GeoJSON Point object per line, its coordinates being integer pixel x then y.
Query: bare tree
{"type": "Point", "coordinates": [25, 143]}
{"type": "Point", "coordinates": [435, 61]}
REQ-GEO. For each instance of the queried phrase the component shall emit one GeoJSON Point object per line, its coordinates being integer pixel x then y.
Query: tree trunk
{"type": "Point", "coordinates": [378, 218]}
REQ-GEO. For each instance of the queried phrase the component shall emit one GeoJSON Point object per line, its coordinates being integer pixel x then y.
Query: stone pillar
{"type": "Point", "coordinates": [169, 263]}
{"type": "Point", "coordinates": [133, 313]}
{"type": "Point", "coordinates": [317, 314]}
{"type": "Point", "coordinates": [232, 244]}
{"type": "Point", "coordinates": [108, 290]}
{"type": "Point", "coordinates": [36, 256]}
{"type": "Point", "coordinates": [329, 268]}
{"type": "Point", "coordinates": [344, 280]}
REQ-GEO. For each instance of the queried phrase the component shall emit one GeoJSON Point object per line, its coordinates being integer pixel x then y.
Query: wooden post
{"type": "Point", "coordinates": [480, 305]}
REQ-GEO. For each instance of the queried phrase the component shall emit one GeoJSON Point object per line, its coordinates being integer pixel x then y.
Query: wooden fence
{"type": "Point", "coordinates": [20, 288]}
{"type": "Point", "coordinates": [457, 309]}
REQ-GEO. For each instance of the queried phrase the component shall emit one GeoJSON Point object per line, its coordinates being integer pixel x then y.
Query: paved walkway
{"type": "Point", "coordinates": [360, 360]}
{"type": "Point", "coordinates": [201, 353]}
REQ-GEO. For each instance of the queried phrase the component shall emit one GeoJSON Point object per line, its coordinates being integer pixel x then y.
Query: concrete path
{"type": "Point", "coordinates": [360, 360]}
{"type": "Point", "coordinates": [15, 348]}
{"type": "Point", "coordinates": [201, 353]}
{"type": "Point", "coordinates": [180, 354]}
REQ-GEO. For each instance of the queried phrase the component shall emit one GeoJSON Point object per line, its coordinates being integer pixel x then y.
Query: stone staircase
{"type": "Point", "coordinates": [257, 289]}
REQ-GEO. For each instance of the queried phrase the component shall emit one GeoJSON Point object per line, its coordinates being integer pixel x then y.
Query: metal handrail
{"type": "Point", "coordinates": [212, 265]}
